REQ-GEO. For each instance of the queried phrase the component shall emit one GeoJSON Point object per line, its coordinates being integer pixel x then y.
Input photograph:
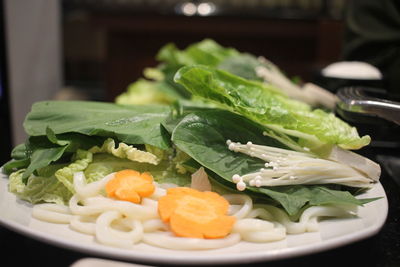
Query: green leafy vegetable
{"type": "Point", "coordinates": [100, 138]}
{"type": "Point", "coordinates": [38, 189]}
{"type": "Point", "coordinates": [313, 128]}
{"type": "Point", "coordinates": [66, 174]}
{"type": "Point", "coordinates": [40, 151]}
{"type": "Point", "coordinates": [203, 134]}
{"type": "Point", "coordinates": [54, 183]}
{"type": "Point", "coordinates": [163, 172]}
{"type": "Point", "coordinates": [144, 92]}
{"type": "Point", "coordinates": [295, 198]}
{"type": "Point", "coordinates": [129, 124]}
{"type": "Point", "coordinates": [58, 129]}
{"type": "Point", "coordinates": [243, 65]}
{"type": "Point", "coordinates": [42, 157]}
{"type": "Point", "coordinates": [206, 52]}
{"type": "Point", "coordinates": [158, 85]}
{"type": "Point", "coordinates": [125, 151]}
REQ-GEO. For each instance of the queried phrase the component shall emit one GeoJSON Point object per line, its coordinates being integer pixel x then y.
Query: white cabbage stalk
{"type": "Point", "coordinates": [200, 180]}
{"type": "Point", "coordinates": [287, 167]}
{"type": "Point", "coordinates": [309, 93]}
{"type": "Point", "coordinates": [356, 161]}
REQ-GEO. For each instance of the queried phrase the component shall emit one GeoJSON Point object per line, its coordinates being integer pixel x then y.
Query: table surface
{"type": "Point", "coordinates": [382, 249]}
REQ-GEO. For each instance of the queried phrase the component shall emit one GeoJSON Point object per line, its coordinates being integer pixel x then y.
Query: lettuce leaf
{"type": "Point", "coordinates": [158, 85]}
{"type": "Point", "coordinates": [125, 151]}
{"type": "Point", "coordinates": [312, 128]}
{"type": "Point", "coordinates": [243, 65]}
{"type": "Point", "coordinates": [206, 52]}
{"type": "Point", "coordinates": [38, 189]}
{"type": "Point", "coordinates": [104, 164]}
{"type": "Point", "coordinates": [80, 162]}
{"type": "Point", "coordinates": [144, 92]}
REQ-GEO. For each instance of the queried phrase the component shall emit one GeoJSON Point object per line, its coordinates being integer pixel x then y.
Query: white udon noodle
{"type": "Point", "coordinates": [123, 224]}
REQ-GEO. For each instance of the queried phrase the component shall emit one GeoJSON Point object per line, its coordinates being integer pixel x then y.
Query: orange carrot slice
{"type": "Point", "coordinates": [195, 214]}
{"type": "Point", "coordinates": [218, 227]}
{"type": "Point", "coordinates": [130, 185]}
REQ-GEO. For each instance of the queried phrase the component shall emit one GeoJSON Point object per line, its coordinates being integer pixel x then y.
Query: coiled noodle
{"type": "Point", "coordinates": [123, 224]}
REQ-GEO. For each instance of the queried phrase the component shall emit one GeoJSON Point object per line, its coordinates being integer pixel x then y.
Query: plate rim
{"type": "Point", "coordinates": [237, 258]}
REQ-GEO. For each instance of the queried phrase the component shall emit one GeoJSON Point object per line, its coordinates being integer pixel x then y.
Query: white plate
{"type": "Point", "coordinates": [16, 215]}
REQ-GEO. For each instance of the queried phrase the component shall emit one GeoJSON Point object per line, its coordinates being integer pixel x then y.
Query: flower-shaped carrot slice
{"type": "Point", "coordinates": [192, 213]}
{"type": "Point", "coordinates": [130, 185]}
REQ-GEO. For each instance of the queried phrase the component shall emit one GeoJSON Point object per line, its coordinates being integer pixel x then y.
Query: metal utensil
{"type": "Point", "coordinates": [361, 100]}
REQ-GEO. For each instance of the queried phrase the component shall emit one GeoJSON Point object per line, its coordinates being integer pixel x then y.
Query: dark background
{"type": "Point", "coordinates": [108, 43]}
{"type": "Point", "coordinates": [5, 129]}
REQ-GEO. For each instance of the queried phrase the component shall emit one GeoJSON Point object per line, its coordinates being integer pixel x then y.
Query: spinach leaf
{"type": "Point", "coordinates": [20, 159]}
{"type": "Point", "coordinates": [42, 157]}
{"type": "Point", "coordinates": [294, 198]}
{"type": "Point", "coordinates": [203, 134]}
{"type": "Point", "coordinates": [19, 152]}
{"type": "Point", "coordinates": [15, 164]}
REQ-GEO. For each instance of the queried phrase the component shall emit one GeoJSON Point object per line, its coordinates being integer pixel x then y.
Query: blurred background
{"type": "Point", "coordinates": [93, 49]}
{"type": "Point", "coordinates": [108, 43]}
